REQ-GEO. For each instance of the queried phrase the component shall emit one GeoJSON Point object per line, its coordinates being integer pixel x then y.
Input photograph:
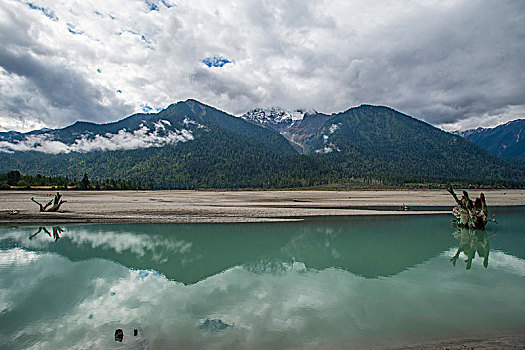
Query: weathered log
{"type": "Point", "coordinates": [42, 207]}
{"type": "Point", "coordinates": [55, 203]}
{"type": "Point", "coordinates": [468, 214]}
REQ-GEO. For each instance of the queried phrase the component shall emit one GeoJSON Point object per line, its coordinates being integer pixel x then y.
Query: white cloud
{"type": "Point", "coordinates": [330, 148]}
{"type": "Point", "coordinates": [453, 63]}
{"type": "Point", "coordinates": [187, 121]}
{"type": "Point", "coordinates": [123, 140]}
{"type": "Point", "coordinates": [333, 128]}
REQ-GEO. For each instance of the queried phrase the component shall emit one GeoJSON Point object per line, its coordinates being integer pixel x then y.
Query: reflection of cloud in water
{"type": "Point", "coordinates": [138, 244]}
{"type": "Point", "coordinates": [16, 256]}
{"type": "Point", "coordinates": [497, 260]}
{"type": "Point", "coordinates": [9, 293]}
{"type": "Point", "coordinates": [507, 262]}
{"type": "Point", "coordinates": [295, 308]}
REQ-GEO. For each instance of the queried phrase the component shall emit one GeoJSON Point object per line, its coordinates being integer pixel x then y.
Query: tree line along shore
{"type": "Point", "coordinates": [14, 180]}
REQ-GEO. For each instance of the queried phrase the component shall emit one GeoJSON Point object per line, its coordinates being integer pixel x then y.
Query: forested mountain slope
{"type": "Point", "coordinates": [192, 145]}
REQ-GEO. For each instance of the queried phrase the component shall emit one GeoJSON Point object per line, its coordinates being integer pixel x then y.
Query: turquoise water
{"type": "Point", "coordinates": [337, 282]}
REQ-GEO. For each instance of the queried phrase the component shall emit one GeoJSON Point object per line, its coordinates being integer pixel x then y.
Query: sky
{"type": "Point", "coordinates": [454, 64]}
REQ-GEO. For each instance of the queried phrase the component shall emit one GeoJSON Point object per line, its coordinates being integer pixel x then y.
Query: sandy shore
{"type": "Point", "coordinates": [475, 343]}
{"type": "Point", "coordinates": [235, 206]}
{"type": "Point", "coordinates": [509, 342]}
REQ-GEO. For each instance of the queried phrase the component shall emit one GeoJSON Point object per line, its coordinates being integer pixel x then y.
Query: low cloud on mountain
{"type": "Point", "coordinates": [123, 140]}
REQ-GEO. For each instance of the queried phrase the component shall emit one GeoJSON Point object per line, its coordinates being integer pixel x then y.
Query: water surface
{"type": "Point", "coordinates": [362, 282]}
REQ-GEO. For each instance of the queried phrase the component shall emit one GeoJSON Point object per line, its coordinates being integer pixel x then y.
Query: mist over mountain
{"type": "Point", "coordinates": [192, 145]}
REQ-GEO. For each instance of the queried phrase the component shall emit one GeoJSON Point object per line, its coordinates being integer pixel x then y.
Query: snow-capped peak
{"type": "Point", "coordinates": [276, 115]}
{"type": "Point", "coordinates": [470, 132]}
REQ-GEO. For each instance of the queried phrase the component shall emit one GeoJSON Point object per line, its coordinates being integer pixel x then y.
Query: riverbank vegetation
{"type": "Point", "coordinates": [14, 180]}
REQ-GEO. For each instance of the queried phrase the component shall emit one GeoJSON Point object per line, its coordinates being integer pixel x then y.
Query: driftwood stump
{"type": "Point", "coordinates": [55, 203]}
{"type": "Point", "coordinates": [468, 214]}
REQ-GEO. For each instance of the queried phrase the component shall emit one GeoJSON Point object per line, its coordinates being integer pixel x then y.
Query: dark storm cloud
{"type": "Point", "coordinates": [223, 85]}
{"type": "Point", "coordinates": [59, 85]}
{"type": "Point", "coordinates": [40, 86]}
{"type": "Point", "coordinates": [447, 66]}
{"type": "Point", "coordinates": [444, 64]}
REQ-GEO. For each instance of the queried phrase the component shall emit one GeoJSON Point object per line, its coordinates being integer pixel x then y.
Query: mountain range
{"type": "Point", "coordinates": [191, 145]}
{"type": "Point", "coordinates": [506, 141]}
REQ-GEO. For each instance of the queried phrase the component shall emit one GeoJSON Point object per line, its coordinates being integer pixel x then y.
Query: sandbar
{"type": "Point", "coordinates": [16, 207]}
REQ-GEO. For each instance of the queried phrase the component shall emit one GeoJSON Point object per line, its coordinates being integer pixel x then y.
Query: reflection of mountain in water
{"type": "Point", "coordinates": [369, 246]}
{"type": "Point", "coordinates": [366, 246]}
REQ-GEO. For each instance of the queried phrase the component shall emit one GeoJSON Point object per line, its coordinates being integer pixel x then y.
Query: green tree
{"type": "Point", "coordinates": [13, 177]}
{"type": "Point", "coordinates": [85, 184]}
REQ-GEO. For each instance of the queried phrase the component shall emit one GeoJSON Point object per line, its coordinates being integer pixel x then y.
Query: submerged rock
{"type": "Point", "coordinates": [214, 326]}
{"type": "Point", "coordinates": [119, 335]}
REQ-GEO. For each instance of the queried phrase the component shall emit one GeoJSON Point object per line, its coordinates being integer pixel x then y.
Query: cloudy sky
{"type": "Point", "coordinates": [455, 64]}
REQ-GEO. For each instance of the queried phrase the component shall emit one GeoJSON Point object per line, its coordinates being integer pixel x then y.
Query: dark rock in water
{"type": "Point", "coordinates": [119, 335]}
{"type": "Point", "coordinates": [135, 332]}
{"type": "Point", "coordinates": [214, 326]}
